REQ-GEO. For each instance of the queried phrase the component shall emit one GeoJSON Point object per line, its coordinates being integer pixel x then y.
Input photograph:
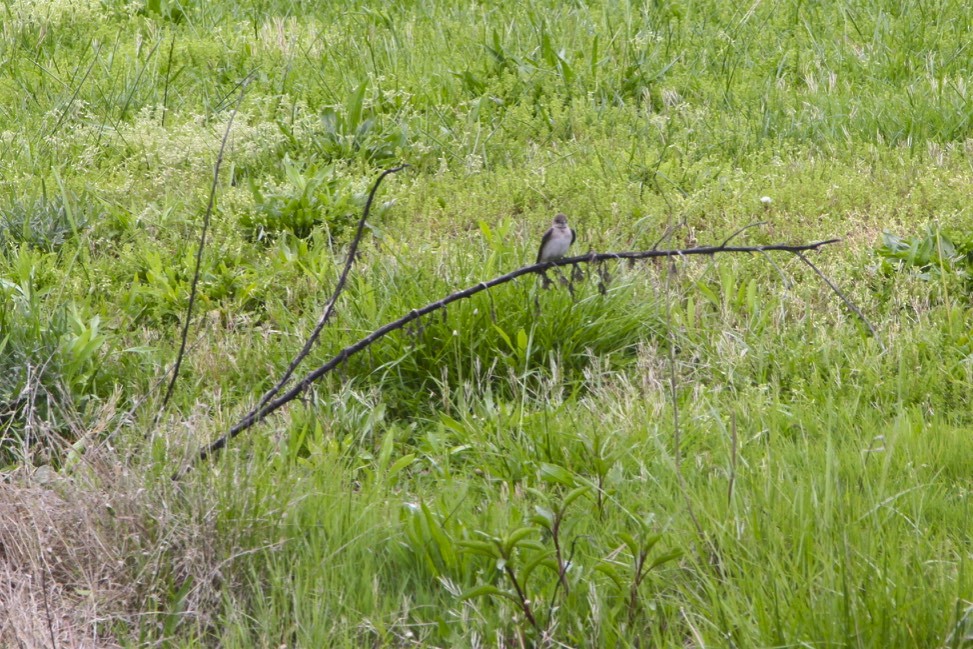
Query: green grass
{"type": "Point", "coordinates": [508, 471]}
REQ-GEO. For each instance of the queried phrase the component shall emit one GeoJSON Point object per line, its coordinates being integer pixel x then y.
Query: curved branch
{"type": "Point", "coordinates": [258, 414]}
{"type": "Point", "coordinates": [844, 298]}
{"type": "Point", "coordinates": [202, 246]}
{"type": "Point", "coordinates": [329, 308]}
{"type": "Point", "coordinates": [741, 231]}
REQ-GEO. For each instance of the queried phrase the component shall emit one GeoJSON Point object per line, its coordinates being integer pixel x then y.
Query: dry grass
{"type": "Point", "coordinates": [62, 576]}
{"type": "Point", "coordinates": [81, 556]}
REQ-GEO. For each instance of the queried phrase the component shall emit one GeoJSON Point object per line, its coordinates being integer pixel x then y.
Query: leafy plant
{"type": "Point", "coordinates": [639, 548]}
{"type": "Point", "coordinates": [929, 256]}
{"type": "Point", "coordinates": [44, 222]}
{"type": "Point", "coordinates": [50, 353]}
{"type": "Point", "coordinates": [173, 11]}
{"type": "Point", "coordinates": [79, 348]}
{"type": "Point", "coordinates": [355, 131]}
{"type": "Point", "coordinates": [311, 196]}
{"type": "Point", "coordinates": [515, 556]}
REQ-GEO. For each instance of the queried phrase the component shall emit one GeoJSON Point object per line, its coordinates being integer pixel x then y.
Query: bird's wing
{"type": "Point", "coordinates": [574, 235]}
{"type": "Point", "coordinates": [544, 240]}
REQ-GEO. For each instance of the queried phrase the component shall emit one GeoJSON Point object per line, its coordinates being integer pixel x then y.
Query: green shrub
{"type": "Point", "coordinates": [311, 196]}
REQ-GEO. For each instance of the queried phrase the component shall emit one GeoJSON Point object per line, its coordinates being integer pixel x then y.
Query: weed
{"type": "Point", "coordinates": [502, 473]}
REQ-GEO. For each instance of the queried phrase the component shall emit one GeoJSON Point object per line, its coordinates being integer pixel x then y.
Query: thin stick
{"type": "Point", "coordinates": [844, 298]}
{"type": "Point", "coordinates": [673, 390]}
{"type": "Point", "coordinates": [47, 607]}
{"type": "Point", "coordinates": [733, 459]}
{"type": "Point", "coordinates": [668, 232]}
{"type": "Point", "coordinates": [329, 308]}
{"type": "Point", "coordinates": [741, 231]}
{"type": "Point", "coordinates": [295, 391]}
{"type": "Point", "coordinates": [674, 394]}
{"type": "Point", "coordinates": [199, 250]}
{"type": "Point", "coordinates": [165, 92]}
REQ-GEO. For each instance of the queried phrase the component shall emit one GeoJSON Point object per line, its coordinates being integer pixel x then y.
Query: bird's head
{"type": "Point", "coordinates": [560, 219]}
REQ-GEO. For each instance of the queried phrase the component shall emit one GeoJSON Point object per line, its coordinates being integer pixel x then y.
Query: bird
{"type": "Point", "coordinates": [556, 240]}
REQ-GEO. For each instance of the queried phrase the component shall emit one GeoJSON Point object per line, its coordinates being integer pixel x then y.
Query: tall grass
{"type": "Point", "coordinates": [510, 471]}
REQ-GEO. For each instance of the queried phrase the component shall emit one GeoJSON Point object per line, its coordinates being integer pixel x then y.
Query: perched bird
{"type": "Point", "coordinates": [556, 241]}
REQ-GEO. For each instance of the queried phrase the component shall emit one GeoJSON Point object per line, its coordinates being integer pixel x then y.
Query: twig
{"type": "Point", "coordinates": [780, 271]}
{"type": "Point", "coordinates": [843, 297]}
{"type": "Point", "coordinates": [47, 607]}
{"type": "Point", "coordinates": [137, 403]}
{"type": "Point", "coordinates": [295, 391]}
{"type": "Point", "coordinates": [138, 78]}
{"type": "Point", "coordinates": [733, 459]}
{"type": "Point", "coordinates": [668, 232]}
{"type": "Point", "coordinates": [199, 250]}
{"type": "Point", "coordinates": [66, 110]}
{"type": "Point", "coordinates": [633, 590]}
{"type": "Point", "coordinates": [676, 436]}
{"type": "Point", "coordinates": [673, 391]}
{"type": "Point", "coordinates": [562, 570]}
{"type": "Point", "coordinates": [741, 231]}
{"type": "Point", "coordinates": [329, 308]}
{"type": "Point", "coordinates": [165, 92]}
{"type": "Point", "coordinates": [521, 596]}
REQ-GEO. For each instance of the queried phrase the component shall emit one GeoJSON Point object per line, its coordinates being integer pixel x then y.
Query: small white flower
{"type": "Point", "coordinates": [455, 333]}
{"type": "Point", "coordinates": [766, 200]}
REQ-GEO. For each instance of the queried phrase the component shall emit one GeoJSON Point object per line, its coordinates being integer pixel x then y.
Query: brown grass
{"type": "Point", "coordinates": [62, 576]}
{"type": "Point", "coordinates": [93, 554]}
{"type": "Point", "coordinates": [88, 558]}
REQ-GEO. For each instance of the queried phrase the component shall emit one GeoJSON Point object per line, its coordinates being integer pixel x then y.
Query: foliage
{"type": "Point", "coordinates": [691, 452]}
{"type": "Point", "coordinates": [929, 256]}
{"type": "Point", "coordinates": [311, 197]}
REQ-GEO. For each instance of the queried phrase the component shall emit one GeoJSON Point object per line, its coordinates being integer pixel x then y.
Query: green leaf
{"type": "Point", "coordinates": [452, 424]}
{"type": "Point", "coordinates": [486, 230]}
{"type": "Point", "coordinates": [703, 289]}
{"type": "Point", "coordinates": [443, 542]}
{"type": "Point", "coordinates": [650, 541]}
{"type": "Point", "coordinates": [486, 590]}
{"type": "Point", "coordinates": [514, 538]}
{"type": "Point", "coordinates": [544, 517]}
{"type": "Point", "coordinates": [401, 463]}
{"type": "Point", "coordinates": [522, 341]}
{"type": "Point", "coordinates": [557, 474]}
{"type": "Point", "coordinates": [566, 72]}
{"type": "Point", "coordinates": [505, 337]}
{"type": "Point", "coordinates": [545, 560]}
{"type": "Point", "coordinates": [594, 59]}
{"type": "Point", "coordinates": [482, 548]}
{"type": "Point", "coordinates": [388, 445]}
{"type": "Point", "coordinates": [666, 557]}
{"type": "Point", "coordinates": [630, 542]}
{"type": "Point", "coordinates": [354, 108]}
{"type": "Point", "coordinates": [609, 571]}
{"type": "Point", "coordinates": [547, 49]}
{"type": "Point", "coordinates": [574, 494]}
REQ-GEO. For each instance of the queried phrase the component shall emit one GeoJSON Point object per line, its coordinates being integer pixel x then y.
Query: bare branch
{"type": "Point", "coordinates": [844, 298]}
{"type": "Point", "coordinates": [668, 232]}
{"type": "Point", "coordinates": [202, 246]}
{"type": "Point", "coordinates": [165, 91]}
{"type": "Point", "coordinates": [676, 431]}
{"type": "Point", "coordinates": [741, 231]}
{"type": "Point", "coordinates": [329, 308]}
{"type": "Point", "coordinates": [295, 391]}
{"type": "Point", "coordinates": [733, 460]}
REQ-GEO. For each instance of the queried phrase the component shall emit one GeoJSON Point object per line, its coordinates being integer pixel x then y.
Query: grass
{"type": "Point", "coordinates": [704, 453]}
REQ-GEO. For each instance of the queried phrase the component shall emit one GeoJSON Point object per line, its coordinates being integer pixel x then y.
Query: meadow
{"type": "Point", "coordinates": [710, 451]}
